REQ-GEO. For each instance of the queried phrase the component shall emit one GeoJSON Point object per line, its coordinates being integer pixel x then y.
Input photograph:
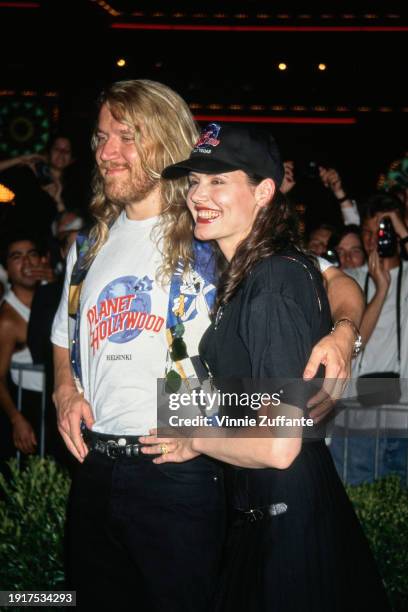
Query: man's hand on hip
{"type": "Point", "coordinates": [72, 408]}
{"type": "Point", "coordinates": [334, 351]}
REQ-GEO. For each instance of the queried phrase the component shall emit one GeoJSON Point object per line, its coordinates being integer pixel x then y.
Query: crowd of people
{"type": "Point", "coordinates": [372, 248]}
{"type": "Point", "coordinates": [193, 262]}
{"type": "Point", "coordinates": [35, 239]}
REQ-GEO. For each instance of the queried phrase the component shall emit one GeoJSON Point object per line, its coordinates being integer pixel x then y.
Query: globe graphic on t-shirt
{"type": "Point", "coordinates": [126, 285]}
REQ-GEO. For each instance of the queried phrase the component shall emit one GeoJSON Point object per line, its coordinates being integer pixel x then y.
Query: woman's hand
{"type": "Point", "coordinates": [22, 160]}
{"type": "Point", "coordinates": [30, 160]}
{"type": "Point", "coordinates": [174, 450]}
{"type": "Point", "coordinates": [289, 177]}
{"type": "Point", "coordinates": [331, 180]}
{"type": "Point", "coordinates": [378, 273]}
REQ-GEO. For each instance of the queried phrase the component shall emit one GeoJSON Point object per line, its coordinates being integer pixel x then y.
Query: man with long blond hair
{"type": "Point", "coordinates": [137, 299]}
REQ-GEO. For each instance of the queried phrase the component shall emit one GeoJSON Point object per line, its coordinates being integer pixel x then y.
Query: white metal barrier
{"type": "Point", "coordinates": [385, 420]}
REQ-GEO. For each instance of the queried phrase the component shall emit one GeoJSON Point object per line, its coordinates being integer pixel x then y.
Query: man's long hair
{"type": "Point", "coordinates": [165, 133]}
{"type": "Point", "coordinates": [275, 227]}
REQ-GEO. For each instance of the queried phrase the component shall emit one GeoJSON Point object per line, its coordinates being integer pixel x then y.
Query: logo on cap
{"type": "Point", "coordinates": [208, 136]}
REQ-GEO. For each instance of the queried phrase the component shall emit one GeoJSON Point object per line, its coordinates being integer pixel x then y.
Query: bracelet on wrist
{"type": "Point", "coordinates": [343, 199]}
{"type": "Point", "coordinates": [358, 343]}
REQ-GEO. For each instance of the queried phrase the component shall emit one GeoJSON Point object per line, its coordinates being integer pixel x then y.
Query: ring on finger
{"type": "Point", "coordinates": [164, 449]}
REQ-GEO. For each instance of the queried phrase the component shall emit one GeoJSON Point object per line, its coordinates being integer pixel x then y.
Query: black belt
{"type": "Point", "coordinates": [115, 446]}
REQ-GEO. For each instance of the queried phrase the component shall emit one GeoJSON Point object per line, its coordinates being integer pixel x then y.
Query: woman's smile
{"type": "Point", "coordinates": [206, 215]}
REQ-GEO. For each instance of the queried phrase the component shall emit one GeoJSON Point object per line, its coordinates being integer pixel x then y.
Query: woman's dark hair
{"type": "Point", "coordinates": [276, 226]}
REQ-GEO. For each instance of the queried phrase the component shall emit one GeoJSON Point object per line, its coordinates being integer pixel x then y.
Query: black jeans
{"type": "Point", "coordinates": [145, 537]}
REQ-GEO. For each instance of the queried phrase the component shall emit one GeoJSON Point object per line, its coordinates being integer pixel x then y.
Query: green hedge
{"type": "Point", "coordinates": [32, 517]}
{"type": "Point", "coordinates": [382, 508]}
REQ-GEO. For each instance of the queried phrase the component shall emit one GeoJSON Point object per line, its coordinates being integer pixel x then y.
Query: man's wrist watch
{"type": "Point", "coordinates": [358, 343]}
{"type": "Point", "coordinates": [342, 199]}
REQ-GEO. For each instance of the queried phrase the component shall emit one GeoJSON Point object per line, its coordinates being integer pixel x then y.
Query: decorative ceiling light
{"type": "Point", "coordinates": [6, 195]}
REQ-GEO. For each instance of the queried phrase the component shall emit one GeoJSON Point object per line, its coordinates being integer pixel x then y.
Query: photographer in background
{"type": "Point", "coordinates": [381, 273]}
{"type": "Point", "coordinates": [49, 168]}
{"type": "Point", "coordinates": [384, 331]}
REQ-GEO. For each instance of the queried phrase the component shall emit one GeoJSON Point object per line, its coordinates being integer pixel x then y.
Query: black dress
{"type": "Point", "coordinates": [295, 543]}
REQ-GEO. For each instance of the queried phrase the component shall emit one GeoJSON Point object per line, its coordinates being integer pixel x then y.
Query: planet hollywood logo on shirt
{"type": "Point", "coordinates": [122, 312]}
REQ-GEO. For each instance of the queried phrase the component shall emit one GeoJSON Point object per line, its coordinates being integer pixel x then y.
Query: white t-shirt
{"type": "Point", "coordinates": [32, 381]}
{"type": "Point", "coordinates": [4, 285]}
{"type": "Point", "coordinates": [323, 264]}
{"type": "Point", "coordinates": [123, 314]}
{"type": "Point", "coordinates": [351, 216]}
{"type": "Point", "coordinates": [381, 353]}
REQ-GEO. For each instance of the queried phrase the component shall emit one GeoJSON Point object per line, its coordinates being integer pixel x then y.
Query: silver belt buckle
{"type": "Point", "coordinates": [276, 509]}
{"type": "Point", "coordinates": [112, 449]}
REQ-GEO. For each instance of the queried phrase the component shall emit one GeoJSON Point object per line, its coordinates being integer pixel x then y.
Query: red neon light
{"type": "Point", "coordinates": [226, 28]}
{"type": "Point", "coordinates": [249, 119]}
{"type": "Point", "coordinates": [20, 5]}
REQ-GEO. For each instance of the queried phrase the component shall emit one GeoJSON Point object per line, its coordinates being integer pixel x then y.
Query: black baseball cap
{"type": "Point", "coordinates": [224, 148]}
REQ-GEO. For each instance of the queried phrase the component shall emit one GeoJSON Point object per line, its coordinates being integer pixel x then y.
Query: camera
{"type": "Point", "coordinates": [331, 255]}
{"type": "Point", "coordinates": [43, 173]}
{"type": "Point", "coordinates": [387, 238]}
{"type": "Point", "coordinates": [307, 170]}
{"type": "Point", "coordinates": [312, 170]}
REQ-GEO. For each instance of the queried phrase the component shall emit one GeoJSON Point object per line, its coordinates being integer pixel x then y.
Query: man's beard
{"type": "Point", "coordinates": [128, 189]}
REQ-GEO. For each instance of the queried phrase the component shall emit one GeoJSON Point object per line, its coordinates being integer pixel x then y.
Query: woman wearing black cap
{"type": "Point", "coordinates": [295, 542]}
